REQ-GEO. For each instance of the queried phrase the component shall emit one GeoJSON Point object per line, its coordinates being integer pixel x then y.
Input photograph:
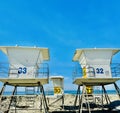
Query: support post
{"type": "Point", "coordinates": [117, 89]}
{"type": "Point", "coordinates": [102, 98]}
{"type": "Point", "coordinates": [106, 95]}
{"type": "Point", "coordinates": [16, 99]}
{"type": "Point", "coordinates": [44, 98]}
{"type": "Point", "coordinates": [11, 99]}
{"type": "Point", "coordinates": [78, 93]}
{"type": "Point", "coordinates": [2, 90]}
{"type": "Point", "coordinates": [63, 101]}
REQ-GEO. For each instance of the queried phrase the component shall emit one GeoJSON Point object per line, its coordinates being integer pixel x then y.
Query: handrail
{"type": "Point", "coordinates": [43, 70]}
{"type": "Point", "coordinates": [6, 71]}
{"type": "Point", "coordinates": [115, 69]}
{"type": "Point", "coordinates": [78, 71]}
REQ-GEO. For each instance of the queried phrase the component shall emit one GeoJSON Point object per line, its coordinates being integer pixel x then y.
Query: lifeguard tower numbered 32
{"type": "Point", "coordinates": [95, 71]}
{"type": "Point", "coordinates": [26, 69]}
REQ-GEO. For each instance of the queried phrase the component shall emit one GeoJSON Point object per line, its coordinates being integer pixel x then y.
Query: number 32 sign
{"type": "Point", "coordinates": [99, 70]}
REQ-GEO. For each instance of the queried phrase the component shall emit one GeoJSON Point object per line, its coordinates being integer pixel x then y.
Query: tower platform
{"type": "Point", "coordinates": [24, 82]}
{"type": "Point", "coordinates": [95, 81]}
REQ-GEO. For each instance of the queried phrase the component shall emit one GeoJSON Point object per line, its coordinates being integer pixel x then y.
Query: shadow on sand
{"type": "Point", "coordinates": [74, 109]}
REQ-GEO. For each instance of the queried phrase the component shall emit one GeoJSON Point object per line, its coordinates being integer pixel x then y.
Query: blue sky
{"type": "Point", "coordinates": [62, 26]}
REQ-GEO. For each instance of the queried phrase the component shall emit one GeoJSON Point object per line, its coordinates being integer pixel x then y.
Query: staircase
{"type": "Point", "coordinates": [30, 98]}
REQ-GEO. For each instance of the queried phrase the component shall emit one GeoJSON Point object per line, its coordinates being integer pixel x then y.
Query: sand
{"type": "Point", "coordinates": [32, 104]}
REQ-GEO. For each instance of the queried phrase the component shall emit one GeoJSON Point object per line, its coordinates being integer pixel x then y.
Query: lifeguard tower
{"type": "Point", "coordinates": [95, 71]}
{"type": "Point", "coordinates": [26, 69]}
{"type": "Point", "coordinates": [58, 85]}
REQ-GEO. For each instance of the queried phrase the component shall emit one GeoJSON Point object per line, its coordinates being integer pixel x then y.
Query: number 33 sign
{"type": "Point", "coordinates": [22, 70]}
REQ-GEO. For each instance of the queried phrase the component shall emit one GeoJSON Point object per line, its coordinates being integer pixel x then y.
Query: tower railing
{"type": "Point", "coordinates": [4, 70]}
{"type": "Point", "coordinates": [78, 71]}
{"type": "Point", "coordinates": [42, 71]}
{"type": "Point", "coordinates": [115, 69]}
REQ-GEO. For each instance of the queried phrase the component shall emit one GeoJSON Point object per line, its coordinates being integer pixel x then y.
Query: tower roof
{"type": "Point", "coordinates": [78, 52]}
{"type": "Point", "coordinates": [44, 51]}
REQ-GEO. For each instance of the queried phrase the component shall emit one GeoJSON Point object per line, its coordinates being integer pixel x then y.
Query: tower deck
{"type": "Point", "coordinates": [95, 81]}
{"type": "Point", "coordinates": [24, 82]}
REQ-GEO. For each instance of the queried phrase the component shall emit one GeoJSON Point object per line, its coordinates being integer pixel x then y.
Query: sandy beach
{"type": "Point", "coordinates": [33, 104]}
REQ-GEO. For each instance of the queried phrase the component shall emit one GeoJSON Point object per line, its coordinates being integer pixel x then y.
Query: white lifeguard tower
{"type": "Point", "coordinates": [96, 71]}
{"type": "Point", "coordinates": [26, 69]}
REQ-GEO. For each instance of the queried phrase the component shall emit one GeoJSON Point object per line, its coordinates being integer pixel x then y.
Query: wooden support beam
{"type": "Point", "coordinates": [106, 95]}
{"type": "Point", "coordinates": [2, 90]}
{"type": "Point", "coordinates": [43, 98]}
{"type": "Point", "coordinates": [117, 89]}
{"type": "Point", "coordinates": [11, 99]}
{"type": "Point", "coordinates": [63, 101]}
{"type": "Point", "coordinates": [76, 97]}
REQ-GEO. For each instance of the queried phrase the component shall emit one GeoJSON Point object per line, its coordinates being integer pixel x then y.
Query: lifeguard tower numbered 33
{"type": "Point", "coordinates": [26, 69]}
{"type": "Point", "coordinates": [95, 65]}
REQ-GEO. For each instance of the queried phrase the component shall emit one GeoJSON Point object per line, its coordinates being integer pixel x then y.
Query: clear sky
{"type": "Point", "coordinates": [62, 26]}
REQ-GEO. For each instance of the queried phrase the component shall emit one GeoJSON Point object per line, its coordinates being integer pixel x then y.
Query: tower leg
{"type": "Point", "coordinates": [63, 101]}
{"type": "Point", "coordinates": [11, 99]}
{"type": "Point", "coordinates": [1, 92]}
{"type": "Point", "coordinates": [44, 98]}
{"type": "Point", "coordinates": [106, 95]}
{"type": "Point", "coordinates": [117, 89]}
{"type": "Point", "coordinates": [78, 93]}
{"type": "Point", "coordinates": [15, 100]}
